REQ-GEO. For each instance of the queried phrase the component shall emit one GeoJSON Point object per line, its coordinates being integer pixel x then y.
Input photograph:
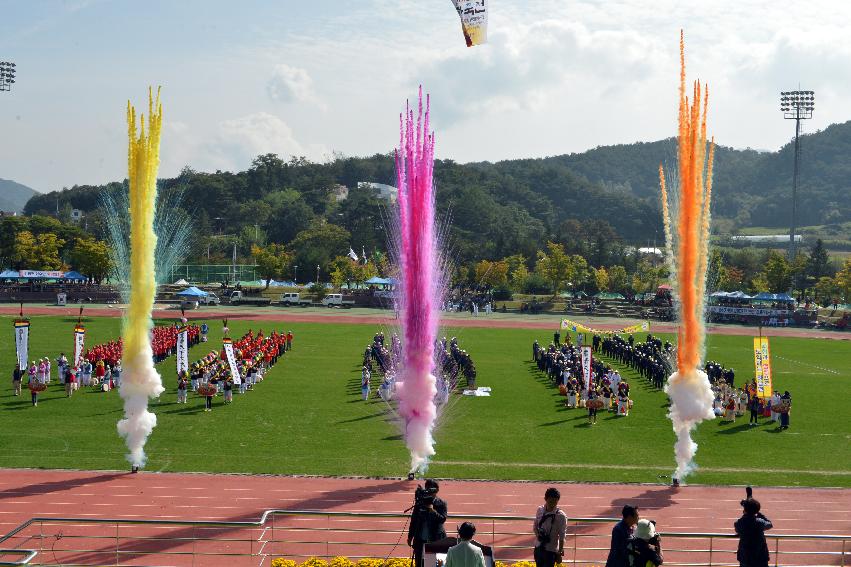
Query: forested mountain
{"type": "Point", "coordinates": [14, 196]}
{"type": "Point", "coordinates": [496, 209]}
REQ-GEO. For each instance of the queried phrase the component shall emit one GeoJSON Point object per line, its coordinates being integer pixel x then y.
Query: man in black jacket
{"type": "Point", "coordinates": [621, 535]}
{"type": "Point", "coordinates": [427, 519]}
{"type": "Point", "coordinates": [751, 528]}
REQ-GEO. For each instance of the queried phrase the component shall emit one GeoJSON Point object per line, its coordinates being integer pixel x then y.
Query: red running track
{"type": "Point", "coordinates": [168, 496]}
{"type": "Point", "coordinates": [292, 315]}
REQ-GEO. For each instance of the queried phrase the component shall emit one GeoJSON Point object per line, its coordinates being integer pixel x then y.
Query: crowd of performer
{"type": "Point", "coordinates": [384, 360]}
{"type": "Point", "coordinates": [605, 389]}
{"type": "Point", "coordinates": [254, 356]}
{"type": "Point", "coordinates": [99, 366]}
{"type": "Point", "coordinates": [650, 359]}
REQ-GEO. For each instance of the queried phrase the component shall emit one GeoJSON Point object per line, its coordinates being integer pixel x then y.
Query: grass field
{"type": "Point", "coordinates": [307, 417]}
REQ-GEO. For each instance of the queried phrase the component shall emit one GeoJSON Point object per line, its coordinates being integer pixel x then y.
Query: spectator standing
{"type": "Point", "coordinates": [645, 548]}
{"type": "Point", "coordinates": [751, 528]}
{"type": "Point", "coordinates": [549, 529]}
{"type": "Point", "coordinates": [465, 554]}
{"type": "Point", "coordinates": [621, 536]}
{"type": "Point", "coordinates": [427, 519]}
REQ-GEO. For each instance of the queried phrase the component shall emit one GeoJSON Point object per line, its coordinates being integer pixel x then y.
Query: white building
{"type": "Point", "coordinates": [386, 192]}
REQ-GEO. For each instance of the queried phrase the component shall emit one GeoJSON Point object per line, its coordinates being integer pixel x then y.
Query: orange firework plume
{"type": "Point", "coordinates": [693, 225]}
{"type": "Point", "coordinates": [688, 388]}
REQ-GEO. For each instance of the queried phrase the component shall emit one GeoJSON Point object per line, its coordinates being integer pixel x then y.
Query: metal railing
{"type": "Point", "coordinates": [298, 534]}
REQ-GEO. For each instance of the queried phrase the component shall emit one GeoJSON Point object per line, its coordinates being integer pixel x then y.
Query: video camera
{"type": "Point", "coordinates": [424, 497]}
{"type": "Point", "coordinates": [748, 493]}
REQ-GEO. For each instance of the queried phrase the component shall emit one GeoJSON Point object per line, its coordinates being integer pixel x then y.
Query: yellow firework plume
{"type": "Point", "coordinates": [140, 380]}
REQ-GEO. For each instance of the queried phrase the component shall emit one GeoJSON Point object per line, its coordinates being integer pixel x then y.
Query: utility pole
{"type": "Point", "coordinates": [797, 106]}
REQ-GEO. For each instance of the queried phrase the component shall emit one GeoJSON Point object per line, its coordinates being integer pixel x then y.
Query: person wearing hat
{"type": "Point", "coordinates": [786, 403]}
{"type": "Point", "coordinates": [751, 528]}
{"type": "Point", "coordinates": [621, 535]}
{"type": "Point", "coordinates": [466, 553]}
{"type": "Point", "coordinates": [645, 548]}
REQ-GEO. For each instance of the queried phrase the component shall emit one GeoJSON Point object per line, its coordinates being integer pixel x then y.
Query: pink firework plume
{"type": "Point", "coordinates": [421, 282]}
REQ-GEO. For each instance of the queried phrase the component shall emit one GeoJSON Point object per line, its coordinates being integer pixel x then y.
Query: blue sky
{"type": "Point", "coordinates": [322, 77]}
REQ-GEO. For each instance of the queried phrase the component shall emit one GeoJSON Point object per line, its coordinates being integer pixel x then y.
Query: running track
{"type": "Point", "coordinates": [28, 493]}
{"type": "Point", "coordinates": [297, 315]}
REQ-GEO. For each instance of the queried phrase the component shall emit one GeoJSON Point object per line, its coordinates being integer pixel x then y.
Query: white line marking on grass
{"type": "Point", "coordinates": [637, 467]}
{"type": "Point", "coordinates": [806, 364]}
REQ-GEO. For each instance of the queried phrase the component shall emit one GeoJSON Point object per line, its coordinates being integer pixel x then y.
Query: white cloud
{"type": "Point", "coordinates": [238, 141]}
{"type": "Point", "coordinates": [290, 84]}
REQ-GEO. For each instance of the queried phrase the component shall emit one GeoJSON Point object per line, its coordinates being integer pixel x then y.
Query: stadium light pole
{"type": "Point", "coordinates": [797, 106]}
{"type": "Point", "coordinates": [7, 75]}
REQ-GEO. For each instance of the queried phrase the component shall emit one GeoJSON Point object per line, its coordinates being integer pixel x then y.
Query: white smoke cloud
{"type": "Point", "coordinates": [691, 402]}
{"type": "Point", "coordinates": [139, 382]}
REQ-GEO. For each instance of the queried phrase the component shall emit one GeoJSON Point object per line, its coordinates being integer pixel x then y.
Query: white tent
{"type": "Point", "coordinates": [181, 281]}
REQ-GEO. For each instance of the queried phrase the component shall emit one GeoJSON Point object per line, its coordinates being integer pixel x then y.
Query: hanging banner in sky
{"type": "Point", "coordinates": [474, 20]}
{"type": "Point", "coordinates": [762, 363]}
{"type": "Point", "coordinates": [22, 341]}
{"type": "Point", "coordinates": [79, 342]}
{"type": "Point", "coordinates": [182, 350]}
{"type": "Point", "coordinates": [586, 366]}
{"type": "Point", "coordinates": [234, 370]}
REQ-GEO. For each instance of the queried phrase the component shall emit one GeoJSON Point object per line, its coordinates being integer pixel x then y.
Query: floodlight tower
{"type": "Point", "coordinates": [7, 75]}
{"type": "Point", "coordinates": [797, 106]}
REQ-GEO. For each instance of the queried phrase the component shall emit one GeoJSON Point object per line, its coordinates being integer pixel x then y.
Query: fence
{"type": "Point", "coordinates": [214, 273]}
{"type": "Point", "coordinates": [300, 534]}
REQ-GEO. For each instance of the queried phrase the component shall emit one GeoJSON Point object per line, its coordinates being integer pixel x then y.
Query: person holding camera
{"type": "Point", "coordinates": [645, 547]}
{"type": "Point", "coordinates": [427, 519]}
{"type": "Point", "coordinates": [751, 528]}
{"type": "Point", "coordinates": [465, 554]}
{"type": "Point", "coordinates": [549, 529]}
{"type": "Point", "coordinates": [621, 536]}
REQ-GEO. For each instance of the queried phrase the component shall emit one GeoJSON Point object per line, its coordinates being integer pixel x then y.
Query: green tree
{"type": "Point", "coordinates": [826, 290]}
{"type": "Point", "coordinates": [273, 261]}
{"type": "Point", "coordinates": [601, 278]}
{"type": "Point", "coordinates": [492, 274]}
{"type": "Point", "coordinates": [344, 270]}
{"type": "Point", "coordinates": [91, 258]}
{"type": "Point", "coordinates": [577, 273]}
{"type": "Point", "coordinates": [818, 262]}
{"type": "Point", "coordinates": [554, 266]}
{"type": "Point", "coordinates": [731, 278]}
{"type": "Point", "coordinates": [778, 273]}
{"type": "Point", "coordinates": [843, 281]}
{"type": "Point", "coordinates": [519, 277]}
{"type": "Point", "coordinates": [24, 254]}
{"type": "Point", "coordinates": [319, 244]}
{"type": "Point", "coordinates": [618, 279]}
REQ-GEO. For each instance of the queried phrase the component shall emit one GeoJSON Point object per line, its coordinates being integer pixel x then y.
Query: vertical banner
{"type": "Point", "coordinates": [474, 20]}
{"type": "Point", "coordinates": [79, 343]}
{"type": "Point", "coordinates": [586, 366]}
{"type": "Point", "coordinates": [182, 350]}
{"type": "Point", "coordinates": [762, 363]}
{"type": "Point", "coordinates": [234, 370]}
{"type": "Point", "coordinates": [22, 342]}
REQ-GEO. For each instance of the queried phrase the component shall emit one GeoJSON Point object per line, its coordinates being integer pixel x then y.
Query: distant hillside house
{"type": "Point", "coordinates": [340, 192]}
{"type": "Point", "coordinates": [8, 214]}
{"type": "Point", "coordinates": [386, 192]}
{"type": "Point", "coordinates": [76, 215]}
{"type": "Point", "coordinates": [765, 238]}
